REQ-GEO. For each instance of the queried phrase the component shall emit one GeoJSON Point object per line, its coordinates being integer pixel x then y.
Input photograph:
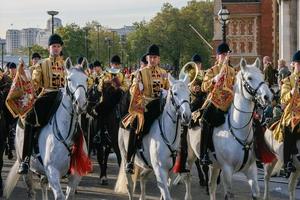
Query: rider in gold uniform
{"type": "Point", "coordinates": [145, 101]}
{"type": "Point", "coordinates": [49, 75]}
{"type": "Point", "coordinates": [218, 83]}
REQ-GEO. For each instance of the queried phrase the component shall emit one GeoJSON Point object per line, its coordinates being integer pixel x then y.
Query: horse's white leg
{"type": "Point", "coordinates": [129, 186]}
{"type": "Point", "coordinates": [227, 173]}
{"type": "Point", "coordinates": [213, 182]}
{"type": "Point", "coordinates": [72, 185]}
{"type": "Point", "coordinates": [293, 183]}
{"type": "Point", "coordinates": [268, 168]}
{"type": "Point", "coordinates": [54, 182]}
{"type": "Point", "coordinates": [162, 181]}
{"type": "Point", "coordinates": [252, 180]}
{"type": "Point", "coordinates": [143, 177]}
{"type": "Point", "coordinates": [187, 180]}
{"type": "Point", "coordinates": [30, 186]}
{"type": "Point", "coordinates": [44, 185]}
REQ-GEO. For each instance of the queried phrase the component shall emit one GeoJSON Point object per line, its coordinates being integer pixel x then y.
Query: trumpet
{"type": "Point", "coordinates": [189, 69]}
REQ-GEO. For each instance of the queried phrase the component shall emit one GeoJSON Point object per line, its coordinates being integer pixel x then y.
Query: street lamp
{"type": "Point", "coordinates": [98, 38]}
{"type": "Point", "coordinates": [223, 16]}
{"type": "Point", "coordinates": [122, 43]}
{"type": "Point", "coordinates": [29, 53]}
{"type": "Point", "coordinates": [2, 52]}
{"type": "Point", "coordinates": [86, 29]}
{"type": "Point", "coordinates": [52, 13]}
{"type": "Point", "coordinates": [109, 43]}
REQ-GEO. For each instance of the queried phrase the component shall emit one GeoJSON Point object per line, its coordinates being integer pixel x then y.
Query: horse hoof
{"type": "Point", "coordinates": [103, 181]}
{"type": "Point", "coordinates": [1, 192]}
{"type": "Point", "coordinates": [202, 183]}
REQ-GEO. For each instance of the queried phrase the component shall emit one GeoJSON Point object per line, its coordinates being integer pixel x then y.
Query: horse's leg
{"type": "Point", "coordinates": [213, 182]}
{"type": "Point", "coordinates": [143, 177]}
{"type": "Point", "coordinates": [200, 173]}
{"type": "Point", "coordinates": [227, 173]}
{"type": "Point", "coordinates": [187, 181]}
{"type": "Point", "coordinates": [44, 184]}
{"type": "Point", "coordinates": [103, 176]}
{"type": "Point", "coordinates": [293, 183]}
{"type": "Point", "coordinates": [72, 185]}
{"type": "Point", "coordinates": [129, 185]}
{"type": "Point", "coordinates": [30, 186]}
{"type": "Point", "coordinates": [251, 174]}
{"type": "Point", "coordinates": [268, 168]}
{"type": "Point", "coordinates": [54, 182]}
{"type": "Point", "coordinates": [162, 181]}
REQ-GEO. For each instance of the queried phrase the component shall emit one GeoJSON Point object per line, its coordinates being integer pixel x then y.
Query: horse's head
{"type": "Point", "coordinates": [253, 87]}
{"type": "Point", "coordinates": [179, 95]}
{"type": "Point", "coordinates": [76, 87]}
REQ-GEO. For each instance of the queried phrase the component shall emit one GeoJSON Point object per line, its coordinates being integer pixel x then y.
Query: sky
{"type": "Point", "coordinates": [18, 14]}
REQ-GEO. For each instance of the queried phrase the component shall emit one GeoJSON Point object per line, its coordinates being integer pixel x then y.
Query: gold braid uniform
{"type": "Point", "coordinates": [49, 74]}
{"type": "Point", "coordinates": [152, 79]}
{"type": "Point", "coordinates": [117, 80]}
{"type": "Point", "coordinates": [219, 98]}
{"type": "Point", "coordinates": [291, 114]}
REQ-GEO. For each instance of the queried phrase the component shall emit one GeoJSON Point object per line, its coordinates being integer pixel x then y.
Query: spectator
{"type": "Point", "coordinates": [283, 71]}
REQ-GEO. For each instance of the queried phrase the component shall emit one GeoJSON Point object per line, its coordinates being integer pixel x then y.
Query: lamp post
{"type": "Point", "coordinates": [86, 44]}
{"type": "Point", "coordinates": [2, 53]}
{"type": "Point", "coordinates": [122, 43]}
{"type": "Point", "coordinates": [98, 38]}
{"type": "Point", "coordinates": [109, 43]}
{"type": "Point", "coordinates": [223, 16]}
{"type": "Point", "coordinates": [29, 53]}
{"type": "Point", "coordinates": [52, 13]}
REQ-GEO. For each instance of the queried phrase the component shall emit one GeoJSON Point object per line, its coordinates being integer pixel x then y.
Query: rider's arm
{"type": "Point", "coordinates": [208, 81]}
{"type": "Point", "coordinates": [286, 91]}
{"type": "Point", "coordinates": [37, 76]}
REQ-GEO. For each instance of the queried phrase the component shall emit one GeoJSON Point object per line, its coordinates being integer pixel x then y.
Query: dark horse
{"type": "Point", "coordinates": [108, 116]}
{"type": "Point", "coordinates": [5, 121]}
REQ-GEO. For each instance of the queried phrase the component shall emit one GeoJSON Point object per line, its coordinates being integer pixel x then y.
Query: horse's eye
{"type": "Point", "coordinates": [69, 79]}
{"type": "Point", "coordinates": [249, 78]}
{"type": "Point", "coordinates": [175, 94]}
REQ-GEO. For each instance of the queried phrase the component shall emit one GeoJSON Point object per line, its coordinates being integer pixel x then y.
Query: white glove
{"type": "Point", "coordinates": [141, 86]}
{"type": "Point", "coordinates": [217, 78]}
{"type": "Point", "coordinates": [164, 92]}
{"type": "Point", "coordinates": [293, 91]}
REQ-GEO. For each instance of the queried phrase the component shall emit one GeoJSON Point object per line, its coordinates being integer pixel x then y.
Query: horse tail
{"type": "Point", "coordinates": [12, 180]}
{"type": "Point", "coordinates": [122, 179]}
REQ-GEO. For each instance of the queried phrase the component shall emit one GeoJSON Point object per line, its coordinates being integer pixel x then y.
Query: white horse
{"type": "Point", "coordinates": [277, 148]}
{"type": "Point", "coordinates": [54, 141]}
{"type": "Point", "coordinates": [233, 141]}
{"type": "Point", "coordinates": [161, 143]}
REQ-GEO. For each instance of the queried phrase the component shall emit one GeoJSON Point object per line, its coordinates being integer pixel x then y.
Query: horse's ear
{"type": "Point", "coordinates": [257, 63]}
{"type": "Point", "coordinates": [68, 63]}
{"type": "Point", "coordinates": [186, 79]}
{"type": "Point", "coordinates": [243, 64]}
{"type": "Point", "coordinates": [171, 79]}
{"type": "Point", "coordinates": [85, 63]}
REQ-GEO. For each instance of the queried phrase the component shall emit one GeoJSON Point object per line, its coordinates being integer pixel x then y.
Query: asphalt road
{"type": "Point", "coordinates": [90, 187]}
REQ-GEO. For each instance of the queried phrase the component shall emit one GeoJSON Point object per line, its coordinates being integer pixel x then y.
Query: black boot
{"type": "Point", "coordinates": [131, 151]}
{"type": "Point", "coordinates": [205, 135]}
{"type": "Point", "coordinates": [288, 145]}
{"type": "Point", "coordinates": [183, 150]}
{"type": "Point", "coordinates": [27, 149]}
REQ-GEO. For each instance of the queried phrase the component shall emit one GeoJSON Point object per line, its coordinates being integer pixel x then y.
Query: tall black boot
{"type": "Point", "coordinates": [131, 151]}
{"type": "Point", "coordinates": [287, 147]}
{"type": "Point", "coordinates": [205, 136]}
{"type": "Point", "coordinates": [183, 150]}
{"type": "Point", "coordinates": [27, 149]}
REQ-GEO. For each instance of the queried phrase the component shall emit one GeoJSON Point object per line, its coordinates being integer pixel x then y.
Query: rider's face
{"type": "Point", "coordinates": [55, 50]}
{"type": "Point", "coordinates": [153, 60]}
{"type": "Point", "coordinates": [297, 66]}
{"type": "Point", "coordinates": [221, 57]}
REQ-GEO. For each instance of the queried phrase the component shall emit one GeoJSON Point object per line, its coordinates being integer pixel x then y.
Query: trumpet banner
{"type": "Point", "coordinates": [21, 95]}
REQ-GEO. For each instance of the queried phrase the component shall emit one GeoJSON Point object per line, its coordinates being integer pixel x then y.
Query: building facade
{"type": "Point", "coordinates": [13, 38]}
{"type": "Point", "coordinates": [289, 28]}
{"type": "Point", "coordinates": [251, 31]}
{"type": "Point", "coordinates": [57, 23]}
{"type": "Point", "coordinates": [28, 36]}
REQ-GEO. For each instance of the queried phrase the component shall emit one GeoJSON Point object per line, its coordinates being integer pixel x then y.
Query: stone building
{"type": "Point", "coordinates": [251, 31]}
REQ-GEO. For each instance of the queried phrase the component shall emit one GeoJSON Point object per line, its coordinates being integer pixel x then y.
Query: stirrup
{"type": "Point", "coordinates": [290, 167]}
{"type": "Point", "coordinates": [129, 168]}
{"type": "Point", "coordinates": [23, 168]}
{"type": "Point", "coordinates": [205, 160]}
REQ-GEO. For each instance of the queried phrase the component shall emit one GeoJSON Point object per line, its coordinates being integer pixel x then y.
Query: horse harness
{"type": "Point", "coordinates": [162, 134]}
{"type": "Point", "coordinates": [246, 145]}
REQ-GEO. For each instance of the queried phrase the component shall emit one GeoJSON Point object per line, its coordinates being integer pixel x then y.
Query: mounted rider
{"type": "Point", "coordinates": [49, 75]}
{"type": "Point", "coordinates": [218, 83]}
{"type": "Point", "coordinates": [145, 102]}
{"type": "Point", "coordinates": [288, 129]}
{"type": "Point", "coordinates": [197, 100]}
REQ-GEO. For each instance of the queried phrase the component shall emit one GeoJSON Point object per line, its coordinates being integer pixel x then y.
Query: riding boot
{"type": "Point", "coordinates": [183, 150]}
{"type": "Point", "coordinates": [27, 149]}
{"type": "Point", "coordinates": [205, 136]}
{"type": "Point", "coordinates": [287, 147]}
{"type": "Point", "coordinates": [131, 151]}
